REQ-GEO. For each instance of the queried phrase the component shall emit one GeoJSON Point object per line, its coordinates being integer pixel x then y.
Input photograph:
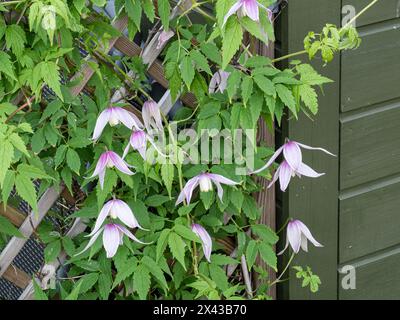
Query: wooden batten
{"type": "Point", "coordinates": [15, 216]}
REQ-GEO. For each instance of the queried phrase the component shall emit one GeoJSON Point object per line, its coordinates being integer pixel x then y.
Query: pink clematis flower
{"type": "Point", "coordinates": [110, 159]}
{"type": "Point", "coordinates": [297, 235]}
{"type": "Point", "coordinates": [219, 82]}
{"type": "Point", "coordinates": [163, 38]}
{"type": "Point", "coordinates": [116, 209]}
{"type": "Point", "coordinates": [248, 8]}
{"type": "Point", "coordinates": [114, 116]}
{"type": "Point", "coordinates": [205, 239]}
{"type": "Point", "coordinates": [138, 141]}
{"type": "Point", "coordinates": [292, 164]}
{"type": "Point", "coordinates": [152, 116]}
{"type": "Point", "coordinates": [112, 238]}
{"type": "Point", "coordinates": [205, 181]}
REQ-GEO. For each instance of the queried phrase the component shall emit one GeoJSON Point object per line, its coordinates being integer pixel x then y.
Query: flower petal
{"type": "Point", "coordinates": [111, 239]}
{"type": "Point", "coordinates": [270, 161]}
{"type": "Point", "coordinates": [187, 190]}
{"type": "Point", "coordinates": [101, 217]}
{"type": "Point", "coordinates": [101, 164]}
{"type": "Point", "coordinates": [129, 234]}
{"type": "Point", "coordinates": [220, 190]}
{"type": "Point", "coordinates": [312, 148]}
{"type": "Point", "coordinates": [285, 174]}
{"type": "Point", "coordinates": [232, 11]}
{"type": "Point", "coordinates": [205, 239]}
{"type": "Point", "coordinates": [276, 176]}
{"type": "Point", "coordinates": [251, 9]}
{"type": "Point", "coordinates": [125, 214]}
{"type": "Point", "coordinates": [305, 170]}
{"type": "Point", "coordinates": [91, 241]}
{"type": "Point", "coordinates": [221, 179]}
{"type": "Point", "coordinates": [101, 123]}
{"type": "Point", "coordinates": [286, 246]}
{"type": "Point", "coordinates": [127, 118]}
{"type": "Point", "coordinates": [304, 230]}
{"type": "Point", "coordinates": [294, 236]}
{"type": "Point", "coordinates": [120, 164]}
{"type": "Point", "coordinates": [292, 154]}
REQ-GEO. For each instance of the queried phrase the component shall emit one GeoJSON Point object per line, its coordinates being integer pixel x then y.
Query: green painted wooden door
{"type": "Point", "coordinates": [354, 210]}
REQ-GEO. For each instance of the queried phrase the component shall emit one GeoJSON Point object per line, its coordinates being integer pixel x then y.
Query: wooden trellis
{"type": "Point", "coordinates": [28, 223]}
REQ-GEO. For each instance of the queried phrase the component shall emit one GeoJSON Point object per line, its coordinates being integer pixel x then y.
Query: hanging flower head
{"type": "Point", "coordinates": [110, 159]}
{"type": "Point", "coordinates": [114, 116]}
{"type": "Point", "coordinates": [116, 209]}
{"type": "Point", "coordinates": [138, 141]}
{"type": "Point", "coordinates": [297, 235]}
{"type": "Point", "coordinates": [112, 238]}
{"type": "Point", "coordinates": [292, 164]}
{"type": "Point", "coordinates": [248, 8]}
{"type": "Point", "coordinates": [205, 182]}
{"type": "Point", "coordinates": [163, 38]}
{"type": "Point", "coordinates": [205, 239]}
{"type": "Point", "coordinates": [219, 82]}
{"type": "Point", "coordinates": [152, 116]}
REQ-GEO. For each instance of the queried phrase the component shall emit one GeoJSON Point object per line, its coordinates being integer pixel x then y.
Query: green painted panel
{"type": "Point", "coordinates": [369, 219]}
{"type": "Point", "coordinates": [371, 74]}
{"type": "Point", "coordinates": [314, 201]}
{"type": "Point", "coordinates": [383, 10]}
{"type": "Point", "coordinates": [377, 277]}
{"type": "Point", "coordinates": [370, 145]}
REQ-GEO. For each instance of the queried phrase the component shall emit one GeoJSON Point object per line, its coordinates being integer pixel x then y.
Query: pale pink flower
{"type": "Point", "coordinates": [205, 240]}
{"type": "Point", "coordinates": [163, 38]}
{"type": "Point", "coordinates": [112, 238]}
{"type": "Point", "coordinates": [138, 141]}
{"type": "Point", "coordinates": [114, 209]}
{"type": "Point", "coordinates": [204, 181]}
{"type": "Point", "coordinates": [110, 159]}
{"type": "Point", "coordinates": [219, 82]}
{"type": "Point", "coordinates": [152, 116]}
{"type": "Point", "coordinates": [297, 235]}
{"type": "Point", "coordinates": [114, 116]}
{"type": "Point", "coordinates": [292, 164]}
{"type": "Point", "coordinates": [248, 8]}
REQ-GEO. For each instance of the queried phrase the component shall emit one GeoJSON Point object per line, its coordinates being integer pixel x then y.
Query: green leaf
{"type": "Point", "coordinates": [38, 292]}
{"type": "Point", "coordinates": [211, 51]}
{"type": "Point", "coordinates": [149, 10]}
{"type": "Point", "coordinates": [6, 155]}
{"type": "Point", "coordinates": [105, 284]}
{"type": "Point", "coordinates": [51, 134]}
{"type": "Point", "coordinates": [7, 187]}
{"type": "Point", "coordinates": [15, 39]}
{"type": "Point", "coordinates": [32, 172]}
{"type": "Point", "coordinates": [251, 253]}
{"type": "Point", "coordinates": [250, 208]}
{"type": "Point", "coordinates": [177, 246]}
{"type": "Point", "coordinates": [309, 97]}
{"type": "Point", "coordinates": [6, 66]}
{"type": "Point", "coordinates": [26, 190]}
{"type": "Point", "coordinates": [164, 9]}
{"type": "Point", "coordinates": [167, 174]}
{"type": "Point", "coordinates": [268, 255]}
{"type": "Point", "coordinates": [52, 251]}
{"type": "Point", "coordinates": [124, 272]}
{"type": "Point", "coordinates": [134, 11]}
{"type": "Point", "coordinates": [110, 182]}
{"type": "Point", "coordinates": [73, 160]}
{"type": "Point", "coordinates": [38, 141]}
{"type": "Point", "coordinates": [162, 243]}
{"type": "Point", "coordinates": [222, 260]}
{"type": "Point", "coordinates": [232, 40]}
{"type": "Point", "coordinates": [265, 84]}
{"type": "Point", "coordinates": [156, 200]}
{"type": "Point", "coordinates": [186, 233]}
{"type": "Point", "coordinates": [155, 270]}
{"type": "Point", "coordinates": [75, 292]}
{"type": "Point", "coordinates": [187, 71]}
{"type": "Point", "coordinates": [60, 155]}
{"type": "Point", "coordinates": [247, 88]}
{"type": "Point", "coordinates": [287, 97]}
{"type": "Point", "coordinates": [6, 227]}
{"type": "Point", "coordinates": [201, 61]}
{"type": "Point", "coordinates": [141, 282]}
{"type": "Point", "coordinates": [18, 143]}
{"type": "Point", "coordinates": [222, 7]}
{"type": "Point", "coordinates": [265, 233]}
{"type": "Point", "coordinates": [51, 109]}
{"type": "Point", "coordinates": [87, 282]}
{"type": "Point", "coordinates": [218, 275]}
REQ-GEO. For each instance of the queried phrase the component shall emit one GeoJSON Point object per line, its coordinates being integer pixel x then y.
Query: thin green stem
{"type": "Point", "coordinates": [284, 270]}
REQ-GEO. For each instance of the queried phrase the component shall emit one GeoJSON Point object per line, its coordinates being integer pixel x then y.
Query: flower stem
{"type": "Point", "coordinates": [284, 270]}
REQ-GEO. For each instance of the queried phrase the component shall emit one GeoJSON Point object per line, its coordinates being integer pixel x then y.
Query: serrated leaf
{"type": "Point", "coordinates": [162, 243]}
{"type": "Point", "coordinates": [141, 281]}
{"type": "Point", "coordinates": [38, 291]}
{"type": "Point", "coordinates": [73, 160]}
{"type": "Point", "coordinates": [177, 246]}
{"type": "Point", "coordinates": [87, 282]}
{"type": "Point", "coordinates": [52, 251]}
{"type": "Point", "coordinates": [6, 66]}
{"type": "Point", "coordinates": [265, 233]}
{"type": "Point", "coordinates": [167, 175]}
{"type": "Point", "coordinates": [32, 172]}
{"type": "Point", "coordinates": [6, 227]}
{"type": "Point", "coordinates": [247, 88]}
{"type": "Point", "coordinates": [6, 155]}
{"type": "Point", "coordinates": [309, 97]}
{"type": "Point", "coordinates": [155, 270]}
{"type": "Point", "coordinates": [15, 39]}
{"type": "Point", "coordinates": [232, 40]}
{"type": "Point", "coordinates": [124, 272]}
{"type": "Point", "coordinates": [7, 187]}
{"type": "Point", "coordinates": [60, 155]}
{"type": "Point", "coordinates": [201, 61]}
{"type": "Point", "coordinates": [51, 109]}
{"type": "Point", "coordinates": [251, 253]}
{"type": "Point", "coordinates": [149, 10]}
{"type": "Point", "coordinates": [287, 97]}
{"type": "Point", "coordinates": [164, 9]}
{"type": "Point", "coordinates": [218, 275]}
{"type": "Point", "coordinates": [187, 71]}
{"type": "Point", "coordinates": [268, 255]}
{"type": "Point", "coordinates": [186, 233]}
{"type": "Point", "coordinates": [26, 190]}
{"type": "Point", "coordinates": [104, 286]}
{"type": "Point", "coordinates": [265, 84]}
